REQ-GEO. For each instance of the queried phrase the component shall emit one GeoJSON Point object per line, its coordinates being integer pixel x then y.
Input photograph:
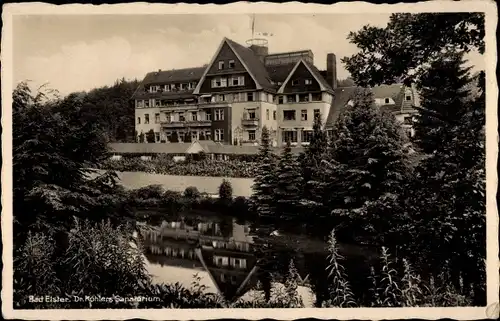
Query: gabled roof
{"type": "Point", "coordinates": [342, 96]}
{"type": "Point", "coordinates": [340, 100]}
{"type": "Point", "coordinates": [323, 84]}
{"type": "Point", "coordinates": [253, 63]}
{"type": "Point", "coordinates": [279, 73]}
{"type": "Point", "coordinates": [248, 59]}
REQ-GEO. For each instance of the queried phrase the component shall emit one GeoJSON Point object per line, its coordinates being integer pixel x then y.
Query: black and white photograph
{"type": "Point", "coordinates": [240, 157]}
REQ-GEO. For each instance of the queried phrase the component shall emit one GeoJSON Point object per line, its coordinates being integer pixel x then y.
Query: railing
{"type": "Point", "coordinates": [249, 121]}
{"type": "Point", "coordinates": [191, 123]}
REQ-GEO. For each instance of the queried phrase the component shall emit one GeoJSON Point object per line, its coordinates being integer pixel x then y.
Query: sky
{"type": "Point", "coordinates": [82, 52]}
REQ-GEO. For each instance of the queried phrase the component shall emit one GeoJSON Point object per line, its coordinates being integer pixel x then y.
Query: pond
{"type": "Point", "coordinates": [226, 255]}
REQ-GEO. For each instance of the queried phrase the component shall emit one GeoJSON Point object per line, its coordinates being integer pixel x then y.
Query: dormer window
{"type": "Point", "coordinates": [408, 97]}
{"type": "Point", "coordinates": [221, 65]}
{"type": "Point", "coordinates": [308, 81]}
{"type": "Point", "coordinates": [295, 82]}
{"type": "Point", "coordinates": [387, 100]}
{"type": "Point", "coordinates": [231, 64]}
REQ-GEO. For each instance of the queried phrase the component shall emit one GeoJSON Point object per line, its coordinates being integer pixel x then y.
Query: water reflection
{"type": "Point", "coordinates": [220, 246]}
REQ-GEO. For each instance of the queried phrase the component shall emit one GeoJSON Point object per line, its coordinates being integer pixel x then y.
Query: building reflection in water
{"type": "Point", "coordinates": [221, 246]}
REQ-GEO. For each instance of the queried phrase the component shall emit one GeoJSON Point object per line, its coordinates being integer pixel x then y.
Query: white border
{"type": "Point", "coordinates": [489, 7]}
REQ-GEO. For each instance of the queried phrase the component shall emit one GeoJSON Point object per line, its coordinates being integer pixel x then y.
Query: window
{"type": "Point", "coordinates": [289, 136]}
{"type": "Point", "coordinates": [194, 135]}
{"type": "Point", "coordinates": [249, 96]}
{"type": "Point", "coordinates": [267, 114]}
{"type": "Point", "coordinates": [138, 120]}
{"type": "Point", "coordinates": [387, 100]}
{"type": "Point", "coordinates": [139, 103]}
{"type": "Point", "coordinates": [168, 117]}
{"type": "Point", "coordinates": [167, 88]}
{"type": "Point", "coordinates": [181, 117]}
{"type": "Point", "coordinates": [280, 99]}
{"type": "Point", "coordinates": [295, 82]}
{"type": "Point", "coordinates": [237, 81]}
{"type": "Point", "coordinates": [184, 86]}
{"type": "Point", "coordinates": [219, 114]}
{"type": "Point", "coordinates": [251, 114]}
{"type": "Point", "coordinates": [316, 113]}
{"type": "Point", "coordinates": [408, 120]}
{"type": "Point", "coordinates": [157, 118]}
{"type": "Point", "coordinates": [316, 97]}
{"type": "Point", "coordinates": [290, 98]}
{"type": "Point", "coordinates": [221, 65]}
{"type": "Point", "coordinates": [304, 97]}
{"type": "Point", "coordinates": [157, 136]}
{"type": "Point", "coordinates": [208, 115]}
{"type": "Point", "coordinates": [219, 135]}
{"type": "Point", "coordinates": [303, 115]}
{"type": "Point", "coordinates": [288, 114]}
{"type": "Point", "coordinates": [146, 103]}
{"type": "Point", "coordinates": [308, 81]}
{"type": "Point", "coordinates": [194, 116]}
{"type": "Point", "coordinates": [306, 136]}
{"type": "Point", "coordinates": [146, 118]}
{"type": "Point", "coordinates": [219, 82]}
{"type": "Point", "coordinates": [208, 135]}
{"type": "Point", "coordinates": [274, 114]}
{"type": "Point", "coordinates": [251, 135]}
{"type": "Point", "coordinates": [231, 64]}
{"type": "Point", "coordinates": [408, 97]}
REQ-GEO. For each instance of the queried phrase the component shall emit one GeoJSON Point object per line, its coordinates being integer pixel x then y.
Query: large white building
{"type": "Point", "coordinates": [243, 89]}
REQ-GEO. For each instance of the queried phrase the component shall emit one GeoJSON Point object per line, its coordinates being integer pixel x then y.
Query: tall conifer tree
{"type": "Point", "coordinates": [445, 91]}
{"type": "Point", "coordinates": [288, 190]}
{"type": "Point", "coordinates": [264, 183]}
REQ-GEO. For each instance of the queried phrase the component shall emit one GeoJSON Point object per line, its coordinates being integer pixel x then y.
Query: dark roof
{"type": "Point", "coordinates": [344, 94]}
{"type": "Point", "coordinates": [340, 100]}
{"type": "Point", "coordinates": [278, 73]}
{"type": "Point", "coordinates": [174, 75]}
{"type": "Point", "coordinates": [168, 76]}
{"type": "Point", "coordinates": [255, 65]}
{"type": "Point", "coordinates": [319, 76]}
{"type": "Point", "coordinates": [210, 147]}
{"type": "Point", "coordinates": [144, 148]}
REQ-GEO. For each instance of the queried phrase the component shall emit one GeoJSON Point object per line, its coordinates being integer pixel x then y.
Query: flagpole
{"type": "Point", "coordinates": [253, 25]}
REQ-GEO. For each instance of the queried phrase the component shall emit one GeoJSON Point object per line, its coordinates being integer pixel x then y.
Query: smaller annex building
{"type": "Point", "coordinates": [179, 151]}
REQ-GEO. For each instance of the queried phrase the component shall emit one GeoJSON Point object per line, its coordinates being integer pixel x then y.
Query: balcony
{"type": "Point", "coordinates": [184, 124]}
{"type": "Point", "coordinates": [250, 122]}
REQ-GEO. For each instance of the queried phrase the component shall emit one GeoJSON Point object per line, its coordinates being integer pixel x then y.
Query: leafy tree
{"type": "Point", "coordinates": [264, 182]}
{"type": "Point", "coordinates": [53, 151]}
{"type": "Point", "coordinates": [192, 192]}
{"type": "Point", "coordinates": [368, 159]}
{"type": "Point", "coordinates": [150, 136]}
{"type": "Point", "coordinates": [445, 93]}
{"type": "Point", "coordinates": [348, 82]}
{"type": "Point", "coordinates": [142, 137]}
{"type": "Point", "coordinates": [288, 187]}
{"type": "Point", "coordinates": [225, 190]}
{"type": "Point", "coordinates": [410, 42]}
{"type": "Point", "coordinates": [111, 109]}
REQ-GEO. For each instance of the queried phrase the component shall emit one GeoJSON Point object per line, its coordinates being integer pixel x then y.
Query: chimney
{"type": "Point", "coordinates": [331, 70]}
